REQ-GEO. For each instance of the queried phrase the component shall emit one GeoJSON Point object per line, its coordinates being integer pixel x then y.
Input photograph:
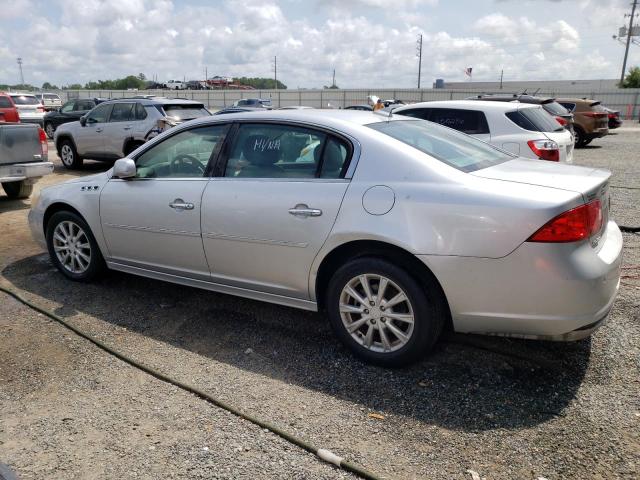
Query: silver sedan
{"type": "Point", "coordinates": [396, 227]}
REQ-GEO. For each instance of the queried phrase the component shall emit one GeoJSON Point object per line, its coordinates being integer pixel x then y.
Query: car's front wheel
{"type": "Point", "coordinates": [49, 129]}
{"type": "Point", "coordinates": [72, 247]}
{"type": "Point", "coordinates": [69, 155]}
{"type": "Point", "coordinates": [382, 313]}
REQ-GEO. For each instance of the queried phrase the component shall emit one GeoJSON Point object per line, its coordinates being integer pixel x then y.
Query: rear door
{"type": "Point", "coordinates": [119, 128]}
{"type": "Point", "coordinates": [272, 205]}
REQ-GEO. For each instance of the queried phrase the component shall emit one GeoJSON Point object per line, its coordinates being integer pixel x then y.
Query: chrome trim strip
{"type": "Point", "coordinates": [216, 287]}
{"type": "Point", "coordinates": [267, 241]}
{"type": "Point", "coordinates": [153, 230]}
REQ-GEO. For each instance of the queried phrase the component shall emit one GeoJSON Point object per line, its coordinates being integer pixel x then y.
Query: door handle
{"type": "Point", "coordinates": [302, 210]}
{"type": "Point", "coordinates": [98, 130]}
{"type": "Point", "coordinates": [179, 204]}
{"type": "Point", "coordinates": [128, 127]}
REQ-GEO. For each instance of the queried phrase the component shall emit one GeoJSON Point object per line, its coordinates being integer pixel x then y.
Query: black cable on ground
{"type": "Point", "coordinates": [323, 454]}
{"type": "Point", "coordinates": [624, 228]}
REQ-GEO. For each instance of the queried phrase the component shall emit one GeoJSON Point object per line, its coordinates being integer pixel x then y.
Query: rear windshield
{"type": "Point", "coordinates": [445, 144]}
{"type": "Point", "coordinates": [534, 119]}
{"type": "Point", "coordinates": [185, 112]}
{"type": "Point", "coordinates": [25, 100]}
{"type": "Point", "coordinates": [554, 108]}
{"type": "Point", "coordinates": [51, 96]}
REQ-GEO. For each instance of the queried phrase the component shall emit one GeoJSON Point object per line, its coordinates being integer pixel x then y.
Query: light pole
{"type": "Point", "coordinates": [419, 55]}
{"type": "Point", "coordinates": [21, 74]}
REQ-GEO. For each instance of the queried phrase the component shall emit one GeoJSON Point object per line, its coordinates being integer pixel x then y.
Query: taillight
{"type": "Point", "coordinates": [545, 149]}
{"type": "Point", "coordinates": [595, 114]}
{"type": "Point", "coordinates": [573, 225]}
{"type": "Point", "coordinates": [43, 144]}
{"type": "Point", "coordinates": [561, 121]}
{"type": "Point", "coordinates": [40, 108]}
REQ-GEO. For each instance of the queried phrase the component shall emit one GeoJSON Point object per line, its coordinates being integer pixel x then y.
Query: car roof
{"type": "Point", "coordinates": [524, 97]}
{"type": "Point", "coordinates": [156, 101]}
{"type": "Point", "coordinates": [18, 94]}
{"type": "Point", "coordinates": [468, 105]}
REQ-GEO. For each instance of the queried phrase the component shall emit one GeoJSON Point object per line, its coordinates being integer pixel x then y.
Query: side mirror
{"type": "Point", "coordinates": [124, 168]}
{"type": "Point", "coordinates": [83, 120]}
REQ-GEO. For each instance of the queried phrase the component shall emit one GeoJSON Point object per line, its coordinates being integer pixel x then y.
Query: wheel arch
{"type": "Point", "coordinates": [130, 142]}
{"type": "Point", "coordinates": [62, 137]}
{"type": "Point", "coordinates": [55, 208]}
{"type": "Point", "coordinates": [378, 249]}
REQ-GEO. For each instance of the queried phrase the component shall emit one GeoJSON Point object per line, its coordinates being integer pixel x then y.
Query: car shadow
{"type": "Point", "coordinates": [467, 383]}
{"type": "Point", "coordinates": [590, 147]}
{"type": "Point", "coordinates": [10, 205]}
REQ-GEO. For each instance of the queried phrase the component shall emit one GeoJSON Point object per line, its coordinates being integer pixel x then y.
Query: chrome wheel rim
{"type": "Point", "coordinates": [72, 247]}
{"type": "Point", "coordinates": [49, 130]}
{"type": "Point", "coordinates": [377, 313]}
{"type": "Point", "coordinates": [66, 155]}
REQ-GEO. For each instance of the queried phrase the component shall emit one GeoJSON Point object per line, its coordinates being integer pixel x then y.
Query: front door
{"type": "Point", "coordinates": [89, 138]}
{"type": "Point", "coordinates": [266, 218]}
{"type": "Point", "coordinates": [153, 220]}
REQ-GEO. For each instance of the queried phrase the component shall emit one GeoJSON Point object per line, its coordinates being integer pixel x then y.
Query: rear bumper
{"type": "Point", "coordinates": [37, 121]}
{"type": "Point", "coordinates": [24, 171]}
{"type": "Point", "coordinates": [542, 291]}
{"type": "Point", "coordinates": [598, 133]}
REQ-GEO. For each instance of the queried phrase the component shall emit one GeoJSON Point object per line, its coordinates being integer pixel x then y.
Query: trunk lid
{"type": "Point", "coordinates": [20, 144]}
{"type": "Point", "coordinates": [565, 141]}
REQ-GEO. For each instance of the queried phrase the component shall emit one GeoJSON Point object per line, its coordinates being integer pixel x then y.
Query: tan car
{"type": "Point", "coordinates": [590, 119]}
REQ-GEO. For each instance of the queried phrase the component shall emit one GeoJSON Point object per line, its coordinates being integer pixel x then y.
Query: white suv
{"type": "Point", "coordinates": [523, 129]}
{"type": "Point", "coordinates": [116, 128]}
{"type": "Point", "coordinates": [175, 85]}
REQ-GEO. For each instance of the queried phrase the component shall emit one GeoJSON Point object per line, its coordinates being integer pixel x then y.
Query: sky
{"type": "Point", "coordinates": [369, 43]}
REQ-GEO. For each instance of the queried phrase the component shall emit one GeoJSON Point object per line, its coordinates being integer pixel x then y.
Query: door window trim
{"type": "Point", "coordinates": [353, 151]}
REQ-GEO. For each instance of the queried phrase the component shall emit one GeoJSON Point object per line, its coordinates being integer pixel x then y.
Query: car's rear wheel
{"type": "Point", "coordinates": [382, 313]}
{"type": "Point", "coordinates": [17, 189]}
{"type": "Point", "coordinates": [72, 247]}
{"type": "Point", "coordinates": [49, 129]}
{"type": "Point", "coordinates": [69, 155]}
{"type": "Point", "coordinates": [131, 146]}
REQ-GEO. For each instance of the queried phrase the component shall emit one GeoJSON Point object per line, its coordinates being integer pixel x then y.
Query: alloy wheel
{"type": "Point", "coordinates": [72, 247]}
{"type": "Point", "coordinates": [66, 155]}
{"type": "Point", "coordinates": [49, 130]}
{"type": "Point", "coordinates": [377, 313]}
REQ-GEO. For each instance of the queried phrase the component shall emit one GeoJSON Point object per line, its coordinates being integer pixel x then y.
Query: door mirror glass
{"type": "Point", "coordinates": [124, 168]}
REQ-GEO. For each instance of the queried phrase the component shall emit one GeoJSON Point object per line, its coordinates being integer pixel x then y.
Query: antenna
{"type": "Point", "coordinates": [534, 93]}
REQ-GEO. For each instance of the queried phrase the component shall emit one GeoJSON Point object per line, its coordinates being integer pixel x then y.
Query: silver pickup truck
{"type": "Point", "coordinates": [23, 158]}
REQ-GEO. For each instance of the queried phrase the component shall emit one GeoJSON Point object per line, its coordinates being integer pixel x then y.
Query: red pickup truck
{"type": "Point", "coordinates": [8, 110]}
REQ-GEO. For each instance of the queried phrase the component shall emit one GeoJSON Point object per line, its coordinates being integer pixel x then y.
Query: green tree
{"type": "Point", "coordinates": [49, 86]}
{"type": "Point", "coordinates": [632, 80]}
{"type": "Point", "coordinates": [141, 76]}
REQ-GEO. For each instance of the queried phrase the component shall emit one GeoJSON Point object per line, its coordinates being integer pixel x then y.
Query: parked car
{"type": "Point", "coordinates": [226, 110]}
{"type": "Point", "coordinates": [29, 108]}
{"type": "Point", "coordinates": [115, 128]}
{"type": "Point", "coordinates": [394, 226]}
{"type": "Point", "coordinates": [196, 85]}
{"type": "Point", "coordinates": [561, 114]}
{"type": "Point", "coordinates": [50, 101]}
{"type": "Point", "coordinates": [520, 128]}
{"type": "Point", "coordinates": [590, 119]}
{"type": "Point", "coordinates": [363, 107]}
{"type": "Point", "coordinates": [71, 111]}
{"type": "Point", "coordinates": [614, 118]}
{"type": "Point", "coordinates": [392, 101]}
{"type": "Point", "coordinates": [23, 158]}
{"type": "Point", "coordinates": [8, 110]}
{"type": "Point", "coordinates": [254, 102]}
{"type": "Point", "coordinates": [154, 86]}
{"type": "Point", "coordinates": [296, 107]}
{"type": "Point", "coordinates": [174, 85]}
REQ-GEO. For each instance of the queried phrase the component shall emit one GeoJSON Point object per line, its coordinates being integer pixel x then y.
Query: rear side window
{"type": "Point", "coordinates": [141, 113]}
{"type": "Point", "coordinates": [422, 113]}
{"type": "Point", "coordinates": [25, 100]}
{"type": "Point", "coordinates": [82, 105]}
{"type": "Point", "coordinates": [534, 120]}
{"type": "Point", "coordinates": [471, 122]}
{"type": "Point", "coordinates": [569, 106]}
{"type": "Point", "coordinates": [122, 112]}
{"type": "Point", "coordinates": [554, 108]}
{"type": "Point", "coordinates": [185, 112]}
{"type": "Point", "coordinates": [5, 102]}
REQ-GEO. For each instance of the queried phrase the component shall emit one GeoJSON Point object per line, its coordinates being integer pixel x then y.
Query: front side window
{"type": "Point", "coordinates": [471, 122]}
{"type": "Point", "coordinates": [185, 154]}
{"type": "Point", "coordinates": [100, 114]}
{"type": "Point", "coordinates": [285, 151]}
{"type": "Point", "coordinates": [122, 112]}
{"type": "Point", "coordinates": [459, 151]}
{"type": "Point", "coordinates": [68, 107]}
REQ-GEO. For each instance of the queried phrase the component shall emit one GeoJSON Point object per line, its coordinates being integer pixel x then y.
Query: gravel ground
{"type": "Point", "coordinates": [501, 407]}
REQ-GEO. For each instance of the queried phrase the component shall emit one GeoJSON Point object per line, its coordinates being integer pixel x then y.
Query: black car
{"type": "Point", "coordinates": [563, 116]}
{"type": "Point", "coordinates": [71, 111]}
{"type": "Point", "coordinates": [614, 118]}
{"type": "Point", "coordinates": [366, 108]}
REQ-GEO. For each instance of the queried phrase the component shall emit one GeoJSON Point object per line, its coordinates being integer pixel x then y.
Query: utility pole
{"type": "Point", "coordinates": [334, 78]}
{"type": "Point", "coordinates": [21, 74]}
{"type": "Point", "coordinates": [626, 50]}
{"type": "Point", "coordinates": [419, 55]}
{"type": "Point", "coordinates": [275, 71]}
{"type": "Point", "coordinates": [501, 75]}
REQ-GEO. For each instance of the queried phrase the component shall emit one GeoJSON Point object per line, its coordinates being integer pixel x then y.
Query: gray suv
{"type": "Point", "coordinates": [116, 128]}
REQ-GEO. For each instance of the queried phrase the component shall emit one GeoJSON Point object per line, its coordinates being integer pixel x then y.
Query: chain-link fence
{"type": "Point", "coordinates": [627, 101]}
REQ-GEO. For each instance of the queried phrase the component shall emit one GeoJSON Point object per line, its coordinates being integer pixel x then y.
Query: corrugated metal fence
{"type": "Point", "coordinates": [625, 100]}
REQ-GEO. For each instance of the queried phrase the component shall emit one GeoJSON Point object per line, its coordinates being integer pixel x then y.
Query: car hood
{"type": "Point", "coordinates": [98, 177]}
{"type": "Point", "coordinates": [547, 174]}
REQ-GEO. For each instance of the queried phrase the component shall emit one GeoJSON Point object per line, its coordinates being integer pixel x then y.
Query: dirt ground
{"type": "Point", "coordinates": [504, 408]}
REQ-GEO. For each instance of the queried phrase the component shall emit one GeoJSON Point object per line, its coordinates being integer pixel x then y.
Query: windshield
{"type": "Point", "coordinates": [25, 100]}
{"type": "Point", "coordinates": [445, 144]}
{"type": "Point", "coordinates": [535, 120]}
{"type": "Point", "coordinates": [185, 112]}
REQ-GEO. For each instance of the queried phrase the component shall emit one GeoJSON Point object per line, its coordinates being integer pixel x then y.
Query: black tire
{"type": "Point", "coordinates": [16, 190]}
{"type": "Point", "coordinates": [96, 264]}
{"type": "Point", "coordinates": [579, 137]}
{"type": "Point", "coordinates": [425, 300]}
{"type": "Point", "coordinates": [587, 142]}
{"type": "Point", "coordinates": [49, 129]}
{"type": "Point", "coordinates": [69, 155]}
